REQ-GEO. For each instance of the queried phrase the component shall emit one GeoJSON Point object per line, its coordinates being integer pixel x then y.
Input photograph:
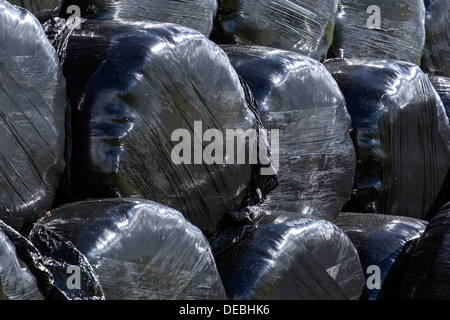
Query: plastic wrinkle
{"type": "Point", "coordinates": [303, 26]}
{"type": "Point", "coordinates": [138, 248]}
{"type": "Point", "coordinates": [32, 117]}
{"type": "Point", "coordinates": [196, 14]}
{"type": "Point", "coordinates": [316, 158]}
{"type": "Point", "coordinates": [292, 256]}
{"type": "Point", "coordinates": [400, 128]}
{"type": "Point", "coordinates": [379, 239]}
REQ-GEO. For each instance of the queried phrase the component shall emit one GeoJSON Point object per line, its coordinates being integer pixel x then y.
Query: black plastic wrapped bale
{"type": "Point", "coordinates": [379, 239]}
{"type": "Point", "coordinates": [53, 272]}
{"type": "Point", "coordinates": [139, 249]}
{"type": "Point", "coordinates": [196, 14]}
{"type": "Point", "coordinates": [16, 280]}
{"type": "Point", "coordinates": [400, 131]}
{"type": "Point", "coordinates": [303, 26]}
{"type": "Point", "coordinates": [42, 9]}
{"type": "Point", "coordinates": [442, 87]}
{"type": "Point", "coordinates": [436, 53]}
{"type": "Point", "coordinates": [426, 275]}
{"type": "Point", "coordinates": [316, 157]}
{"type": "Point", "coordinates": [381, 29]}
{"type": "Point", "coordinates": [153, 105]}
{"type": "Point", "coordinates": [292, 257]}
{"type": "Point", "coordinates": [32, 118]}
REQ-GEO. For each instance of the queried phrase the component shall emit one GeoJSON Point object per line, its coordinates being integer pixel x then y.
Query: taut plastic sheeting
{"type": "Point", "coordinates": [303, 26]}
{"type": "Point", "coordinates": [16, 281]}
{"type": "Point", "coordinates": [381, 29]}
{"type": "Point", "coordinates": [297, 96]}
{"type": "Point", "coordinates": [146, 114]}
{"type": "Point", "coordinates": [379, 239]}
{"type": "Point", "coordinates": [32, 118]}
{"type": "Point", "coordinates": [426, 273]}
{"type": "Point", "coordinates": [436, 53]}
{"type": "Point", "coordinates": [400, 132]}
{"type": "Point", "coordinates": [139, 249]}
{"type": "Point", "coordinates": [196, 14]}
{"type": "Point", "coordinates": [42, 9]}
{"type": "Point", "coordinates": [288, 256]}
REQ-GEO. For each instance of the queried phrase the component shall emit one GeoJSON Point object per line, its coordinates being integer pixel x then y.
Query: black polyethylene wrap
{"type": "Point", "coordinates": [401, 33]}
{"type": "Point", "coordinates": [196, 14]}
{"type": "Point", "coordinates": [131, 86]}
{"type": "Point", "coordinates": [16, 280]}
{"type": "Point", "coordinates": [427, 274]}
{"type": "Point", "coordinates": [303, 26]}
{"type": "Point", "coordinates": [400, 131]}
{"type": "Point", "coordinates": [442, 87]}
{"type": "Point", "coordinates": [298, 96]}
{"type": "Point", "coordinates": [379, 239]}
{"type": "Point", "coordinates": [288, 256]}
{"type": "Point", "coordinates": [139, 249]}
{"type": "Point", "coordinates": [32, 118]}
{"type": "Point", "coordinates": [436, 53]}
{"type": "Point", "coordinates": [42, 9]}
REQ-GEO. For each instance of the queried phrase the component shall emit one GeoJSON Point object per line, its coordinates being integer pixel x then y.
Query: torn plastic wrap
{"type": "Point", "coordinates": [379, 239]}
{"type": "Point", "coordinates": [298, 97]}
{"type": "Point", "coordinates": [426, 268]}
{"type": "Point", "coordinates": [32, 118]}
{"type": "Point", "coordinates": [139, 249]}
{"type": "Point", "coordinates": [52, 272]}
{"type": "Point", "coordinates": [42, 9]}
{"type": "Point", "coordinates": [303, 26]}
{"type": "Point", "coordinates": [436, 53]}
{"type": "Point", "coordinates": [196, 14]}
{"type": "Point", "coordinates": [400, 132]}
{"type": "Point", "coordinates": [142, 112]}
{"type": "Point", "coordinates": [381, 29]}
{"type": "Point", "coordinates": [292, 257]}
{"type": "Point", "coordinates": [16, 280]}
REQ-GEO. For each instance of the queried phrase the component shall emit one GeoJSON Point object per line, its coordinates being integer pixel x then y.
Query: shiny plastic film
{"type": "Point", "coordinates": [425, 275]}
{"type": "Point", "coordinates": [292, 257]}
{"type": "Point", "coordinates": [436, 54]}
{"type": "Point", "coordinates": [300, 101]}
{"type": "Point", "coordinates": [139, 249]}
{"type": "Point", "coordinates": [146, 113]}
{"type": "Point", "coordinates": [16, 280]}
{"type": "Point", "coordinates": [196, 14]}
{"type": "Point", "coordinates": [32, 118]}
{"type": "Point", "coordinates": [42, 9]}
{"type": "Point", "coordinates": [303, 26]}
{"type": "Point", "coordinates": [379, 239]}
{"type": "Point", "coordinates": [400, 128]}
{"type": "Point", "coordinates": [381, 29]}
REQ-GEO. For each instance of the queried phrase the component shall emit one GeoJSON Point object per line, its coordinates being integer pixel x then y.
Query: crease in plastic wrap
{"type": "Point", "coordinates": [42, 9]}
{"type": "Point", "coordinates": [316, 157]}
{"type": "Point", "coordinates": [423, 274]}
{"type": "Point", "coordinates": [400, 132]}
{"type": "Point", "coordinates": [196, 14]}
{"type": "Point", "coordinates": [379, 240]}
{"type": "Point", "coordinates": [303, 26]}
{"type": "Point", "coordinates": [32, 118]}
{"type": "Point", "coordinates": [294, 257]}
{"type": "Point", "coordinates": [138, 248]}
{"type": "Point", "coordinates": [16, 280]}
{"type": "Point", "coordinates": [51, 272]}
{"type": "Point", "coordinates": [141, 109]}
{"type": "Point", "coordinates": [380, 29]}
{"type": "Point", "coordinates": [436, 53]}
